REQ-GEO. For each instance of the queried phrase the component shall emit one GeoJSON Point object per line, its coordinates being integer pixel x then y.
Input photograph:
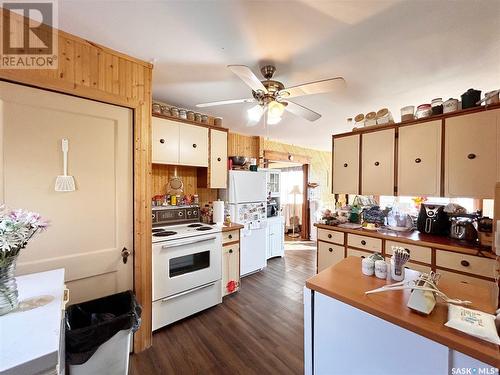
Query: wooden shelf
{"type": "Point", "coordinates": [374, 128]}
{"type": "Point", "coordinates": [210, 126]}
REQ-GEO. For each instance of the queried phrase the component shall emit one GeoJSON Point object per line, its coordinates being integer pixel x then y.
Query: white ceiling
{"type": "Point", "coordinates": [391, 53]}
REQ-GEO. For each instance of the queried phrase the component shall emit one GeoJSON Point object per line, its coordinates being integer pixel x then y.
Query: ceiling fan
{"type": "Point", "coordinates": [273, 98]}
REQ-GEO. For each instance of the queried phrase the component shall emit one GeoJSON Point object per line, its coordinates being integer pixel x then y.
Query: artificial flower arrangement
{"type": "Point", "coordinates": [17, 228]}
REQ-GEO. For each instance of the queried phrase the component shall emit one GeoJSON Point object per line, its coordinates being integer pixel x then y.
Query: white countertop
{"type": "Point", "coordinates": [30, 337]}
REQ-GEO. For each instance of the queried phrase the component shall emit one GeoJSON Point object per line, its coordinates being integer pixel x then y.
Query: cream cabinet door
{"type": "Point", "coordinates": [230, 268]}
{"type": "Point", "coordinates": [193, 145]}
{"type": "Point", "coordinates": [345, 179]}
{"type": "Point", "coordinates": [218, 159]}
{"type": "Point", "coordinates": [377, 166]}
{"type": "Point", "coordinates": [165, 141]}
{"type": "Point", "coordinates": [472, 155]}
{"type": "Point", "coordinates": [419, 159]}
{"type": "Point", "coordinates": [329, 254]}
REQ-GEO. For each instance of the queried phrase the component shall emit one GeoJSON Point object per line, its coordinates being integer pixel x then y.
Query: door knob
{"type": "Point", "coordinates": [418, 160]}
{"type": "Point", "coordinates": [162, 141]}
{"type": "Point", "coordinates": [194, 145]}
{"type": "Point", "coordinates": [218, 159]}
{"type": "Point", "coordinates": [471, 156]}
{"type": "Point", "coordinates": [125, 254]}
{"type": "Point", "coordinates": [345, 165]}
{"type": "Point", "coordinates": [377, 163]}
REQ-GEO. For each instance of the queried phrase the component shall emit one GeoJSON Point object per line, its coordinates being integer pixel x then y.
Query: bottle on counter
{"type": "Point", "coordinates": [173, 200]}
{"type": "Point", "coordinates": [196, 199]}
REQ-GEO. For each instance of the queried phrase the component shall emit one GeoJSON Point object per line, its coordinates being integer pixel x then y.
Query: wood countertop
{"type": "Point", "coordinates": [416, 238]}
{"type": "Point", "coordinates": [231, 226]}
{"type": "Point", "coordinates": [345, 282]}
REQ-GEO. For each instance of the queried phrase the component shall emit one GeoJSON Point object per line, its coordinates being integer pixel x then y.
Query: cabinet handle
{"type": "Point", "coordinates": [377, 163]}
{"type": "Point", "coordinates": [218, 159]}
{"type": "Point", "coordinates": [465, 263]}
{"type": "Point", "coordinates": [195, 145]}
{"type": "Point", "coordinates": [230, 236]}
{"type": "Point", "coordinates": [162, 141]}
{"type": "Point", "coordinates": [471, 156]}
{"type": "Point", "coordinates": [362, 257]}
{"type": "Point", "coordinates": [329, 236]}
{"type": "Point", "coordinates": [418, 160]}
{"type": "Point", "coordinates": [230, 251]}
{"type": "Point", "coordinates": [330, 250]}
{"type": "Point", "coordinates": [345, 165]}
{"type": "Point", "coordinates": [363, 242]}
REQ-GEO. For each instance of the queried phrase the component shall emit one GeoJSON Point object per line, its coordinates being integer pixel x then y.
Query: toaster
{"type": "Point", "coordinates": [463, 228]}
{"type": "Point", "coordinates": [433, 220]}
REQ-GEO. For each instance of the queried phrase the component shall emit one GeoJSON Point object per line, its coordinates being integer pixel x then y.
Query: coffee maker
{"type": "Point", "coordinates": [433, 220]}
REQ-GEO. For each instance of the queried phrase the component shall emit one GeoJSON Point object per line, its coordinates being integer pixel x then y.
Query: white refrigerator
{"type": "Point", "coordinates": [247, 206]}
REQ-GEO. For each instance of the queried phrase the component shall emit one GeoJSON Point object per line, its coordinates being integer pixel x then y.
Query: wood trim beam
{"type": "Point", "coordinates": [286, 157]}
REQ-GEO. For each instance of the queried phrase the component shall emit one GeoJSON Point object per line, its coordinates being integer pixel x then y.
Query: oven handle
{"type": "Point", "coordinates": [186, 242]}
{"type": "Point", "coordinates": [187, 292]}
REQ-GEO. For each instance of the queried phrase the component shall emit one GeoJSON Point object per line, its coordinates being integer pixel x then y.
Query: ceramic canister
{"type": "Point", "coordinates": [367, 266]}
{"type": "Point", "coordinates": [381, 269]}
{"type": "Point", "coordinates": [451, 105]}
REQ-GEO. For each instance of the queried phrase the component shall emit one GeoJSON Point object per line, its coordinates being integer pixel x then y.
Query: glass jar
{"type": "Point", "coordinates": [183, 114]}
{"type": "Point", "coordinates": [174, 112]}
{"type": "Point", "coordinates": [437, 106]}
{"type": "Point", "coordinates": [156, 108]}
{"type": "Point", "coordinates": [407, 113]}
{"type": "Point", "coordinates": [423, 110]}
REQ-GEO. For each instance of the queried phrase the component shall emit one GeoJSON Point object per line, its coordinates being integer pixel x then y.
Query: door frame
{"type": "Point", "coordinates": [305, 161]}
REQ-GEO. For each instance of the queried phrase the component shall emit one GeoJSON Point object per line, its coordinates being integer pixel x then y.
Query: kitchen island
{"type": "Point", "coordinates": [348, 332]}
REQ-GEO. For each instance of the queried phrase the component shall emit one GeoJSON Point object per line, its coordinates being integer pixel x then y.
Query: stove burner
{"type": "Point", "coordinates": [164, 233]}
{"type": "Point", "coordinates": [195, 225]}
{"type": "Point", "coordinates": [203, 228]}
{"type": "Point", "coordinates": [157, 230]}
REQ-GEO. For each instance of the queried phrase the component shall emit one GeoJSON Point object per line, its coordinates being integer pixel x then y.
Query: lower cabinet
{"type": "Point", "coordinates": [275, 237]}
{"type": "Point", "coordinates": [329, 254]}
{"type": "Point", "coordinates": [230, 268]}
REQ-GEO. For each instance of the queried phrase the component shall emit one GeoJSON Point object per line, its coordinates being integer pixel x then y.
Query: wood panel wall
{"type": "Point", "coordinates": [243, 145]}
{"type": "Point", "coordinates": [162, 173]}
{"type": "Point", "coordinates": [91, 71]}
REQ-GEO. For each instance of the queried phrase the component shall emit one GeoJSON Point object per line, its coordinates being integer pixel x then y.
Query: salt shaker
{"type": "Point", "coordinates": [381, 269]}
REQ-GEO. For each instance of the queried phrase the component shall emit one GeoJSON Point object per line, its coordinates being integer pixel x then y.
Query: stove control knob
{"type": "Point", "coordinates": [180, 213]}
{"type": "Point", "coordinates": [189, 213]}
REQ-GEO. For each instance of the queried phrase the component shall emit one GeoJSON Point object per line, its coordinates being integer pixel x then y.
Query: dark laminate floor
{"type": "Point", "coordinates": [259, 330]}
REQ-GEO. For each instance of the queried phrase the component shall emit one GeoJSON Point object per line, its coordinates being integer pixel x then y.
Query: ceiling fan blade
{"type": "Point", "coordinates": [223, 102]}
{"type": "Point", "coordinates": [317, 87]}
{"type": "Point", "coordinates": [247, 76]}
{"type": "Point", "coordinates": [301, 111]}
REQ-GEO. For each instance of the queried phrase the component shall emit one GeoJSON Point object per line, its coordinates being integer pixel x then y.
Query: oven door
{"type": "Point", "coordinates": [184, 264]}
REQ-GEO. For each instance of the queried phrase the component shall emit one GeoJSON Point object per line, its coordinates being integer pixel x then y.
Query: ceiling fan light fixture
{"type": "Point", "coordinates": [274, 112]}
{"type": "Point", "coordinates": [255, 113]}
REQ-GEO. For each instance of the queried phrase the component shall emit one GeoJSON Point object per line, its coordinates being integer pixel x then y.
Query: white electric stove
{"type": "Point", "coordinates": [187, 264]}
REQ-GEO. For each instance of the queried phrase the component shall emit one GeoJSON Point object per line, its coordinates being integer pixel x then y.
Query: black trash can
{"type": "Point", "coordinates": [98, 334]}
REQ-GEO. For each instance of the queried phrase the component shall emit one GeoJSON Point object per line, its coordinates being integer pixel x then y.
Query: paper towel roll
{"type": "Point", "coordinates": [218, 212]}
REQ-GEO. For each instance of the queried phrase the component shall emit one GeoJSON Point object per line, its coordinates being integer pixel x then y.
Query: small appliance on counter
{"type": "Point", "coordinates": [433, 220]}
{"type": "Point", "coordinates": [463, 228]}
{"type": "Point", "coordinates": [273, 207]}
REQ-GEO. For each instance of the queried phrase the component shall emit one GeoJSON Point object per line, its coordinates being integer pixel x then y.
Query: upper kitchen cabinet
{"type": "Point", "coordinates": [472, 154]}
{"type": "Point", "coordinates": [193, 145]}
{"type": "Point", "coordinates": [165, 141]}
{"type": "Point", "coordinates": [377, 165]}
{"type": "Point", "coordinates": [345, 179]}
{"type": "Point", "coordinates": [419, 159]}
{"type": "Point", "coordinates": [218, 159]}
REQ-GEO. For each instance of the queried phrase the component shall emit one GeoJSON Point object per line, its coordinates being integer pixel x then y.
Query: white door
{"type": "Point", "coordinates": [419, 159]}
{"type": "Point", "coordinates": [275, 237]}
{"type": "Point", "coordinates": [90, 226]}
{"type": "Point", "coordinates": [377, 165]}
{"type": "Point", "coordinates": [165, 141]}
{"type": "Point", "coordinates": [193, 145]}
{"type": "Point", "coordinates": [345, 178]}
{"type": "Point", "coordinates": [218, 159]}
{"type": "Point", "coordinates": [472, 156]}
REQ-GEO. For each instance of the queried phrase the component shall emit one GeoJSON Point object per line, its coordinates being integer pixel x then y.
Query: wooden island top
{"type": "Point", "coordinates": [345, 282]}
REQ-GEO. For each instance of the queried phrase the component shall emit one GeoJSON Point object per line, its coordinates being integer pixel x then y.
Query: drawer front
{"type": "Point", "coordinates": [418, 267]}
{"type": "Point", "coordinates": [466, 263]}
{"type": "Point", "coordinates": [456, 277]}
{"type": "Point", "coordinates": [331, 236]}
{"type": "Point", "coordinates": [328, 255]}
{"type": "Point", "coordinates": [366, 243]}
{"type": "Point", "coordinates": [358, 253]}
{"type": "Point", "coordinates": [418, 253]}
{"type": "Point", "coordinates": [231, 236]}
